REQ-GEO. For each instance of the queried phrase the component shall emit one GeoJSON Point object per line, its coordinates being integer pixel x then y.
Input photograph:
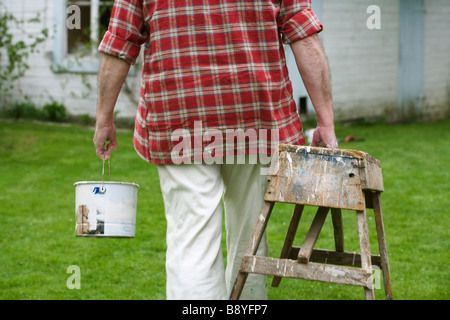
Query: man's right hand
{"type": "Point", "coordinates": [103, 134]}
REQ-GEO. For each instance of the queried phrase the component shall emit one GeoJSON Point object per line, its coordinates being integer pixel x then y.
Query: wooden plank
{"type": "Point", "coordinates": [338, 228]}
{"type": "Point", "coordinates": [311, 271]}
{"type": "Point", "coordinates": [327, 152]}
{"type": "Point", "coordinates": [376, 199]}
{"type": "Point", "coordinates": [312, 235]}
{"type": "Point", "coordinates": [349, 259]}
{"type": "Point", "coordinates": [371, 175]}
{"type": "Point", "coordinates": [363, 233]}
{"type": "Point", "coordinates": [290, 236]}
{"type": "Point", "coordinates": [312, 176]}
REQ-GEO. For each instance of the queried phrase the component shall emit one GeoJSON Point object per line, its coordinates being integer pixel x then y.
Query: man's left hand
{"type": "Point", "coordinates": [324, 137]}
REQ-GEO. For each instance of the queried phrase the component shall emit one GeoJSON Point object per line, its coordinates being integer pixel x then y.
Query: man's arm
{"type": "Point", "coordinates": [112, 74]}
{"type": "Point", "coordinates": [313, 67]}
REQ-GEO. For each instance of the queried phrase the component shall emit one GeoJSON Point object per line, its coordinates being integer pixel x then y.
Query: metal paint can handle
{"type": "Point", "coordinates": [103, 188]}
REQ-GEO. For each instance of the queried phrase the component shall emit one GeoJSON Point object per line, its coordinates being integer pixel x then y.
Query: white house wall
{"type": "Point", "coordinates": [364, 63]}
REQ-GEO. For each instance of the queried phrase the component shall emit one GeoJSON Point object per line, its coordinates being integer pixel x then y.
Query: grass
{"type": "Point", "coordinates": [40, 162]}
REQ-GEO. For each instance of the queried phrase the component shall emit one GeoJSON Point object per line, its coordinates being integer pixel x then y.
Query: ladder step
{"type": "Point", "coordinates": [311, 271]}
{"type": "Point", "coordinates": [333, 257]}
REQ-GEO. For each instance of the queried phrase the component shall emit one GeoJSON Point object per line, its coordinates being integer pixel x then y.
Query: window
{"type": "Point", "coordinates": [80, 25]}
{"type": "Point", "coordinates": [94, 19]}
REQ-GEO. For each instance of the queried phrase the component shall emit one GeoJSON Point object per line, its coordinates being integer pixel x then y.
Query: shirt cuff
{"type": "Point", "coordinates": [302, 25]}
{"type": "Point", "coordinates": [120, 48]}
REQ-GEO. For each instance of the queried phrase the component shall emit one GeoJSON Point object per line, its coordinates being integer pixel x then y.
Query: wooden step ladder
{"type": "Point", "coordinates": [332, 180]}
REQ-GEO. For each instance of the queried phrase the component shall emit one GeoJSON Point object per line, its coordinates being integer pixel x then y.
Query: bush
{"type": "Point", "coordinates": [54, 111]}
{"type": "Point", "coordinates": [22, 110]}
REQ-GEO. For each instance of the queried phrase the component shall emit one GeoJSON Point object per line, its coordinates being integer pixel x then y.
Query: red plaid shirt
{"type": "Point", "coordinates": [218, 63]}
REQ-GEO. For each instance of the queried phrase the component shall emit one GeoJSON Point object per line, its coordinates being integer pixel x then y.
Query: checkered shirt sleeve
{"type": "Point", "coordinates": [126, 31]}
{"type": "Point", "coordinates": [297, 21]}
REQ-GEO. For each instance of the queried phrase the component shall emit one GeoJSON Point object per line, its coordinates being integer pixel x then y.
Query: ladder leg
{"type": "Point", "coordinates": [366, 264]}
{"type": "Point", "coordinates": [311, 237]}
{"type": "Point", "coordinates": [376, 200]}
{"type": "Point", "coordinates": [253, 245]}
{"type": "Point", "coordinates": [290, 236]}
{"type": "Point", "coordinates": [336, 217]}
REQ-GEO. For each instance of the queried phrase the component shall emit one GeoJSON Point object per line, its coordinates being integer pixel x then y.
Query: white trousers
{"type": "Point", "coordinates": [193, 195]}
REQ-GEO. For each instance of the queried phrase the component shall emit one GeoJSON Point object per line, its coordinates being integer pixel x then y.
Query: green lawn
{"type": "Point", "coordinates": [40, 162]}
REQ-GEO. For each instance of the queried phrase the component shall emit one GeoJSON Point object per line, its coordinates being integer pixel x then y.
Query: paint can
{"type": "Point", "coordinates": [105, 209]}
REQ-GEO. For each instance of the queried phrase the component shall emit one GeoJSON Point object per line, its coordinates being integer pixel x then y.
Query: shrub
{"type": "Point", "coordinates": [54, 111]}
{"type": "Point", "coordinates": [22, 110]}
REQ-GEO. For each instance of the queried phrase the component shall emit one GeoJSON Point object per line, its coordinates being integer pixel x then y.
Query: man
{"type": "Point", "coordinates": [220, 64]}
